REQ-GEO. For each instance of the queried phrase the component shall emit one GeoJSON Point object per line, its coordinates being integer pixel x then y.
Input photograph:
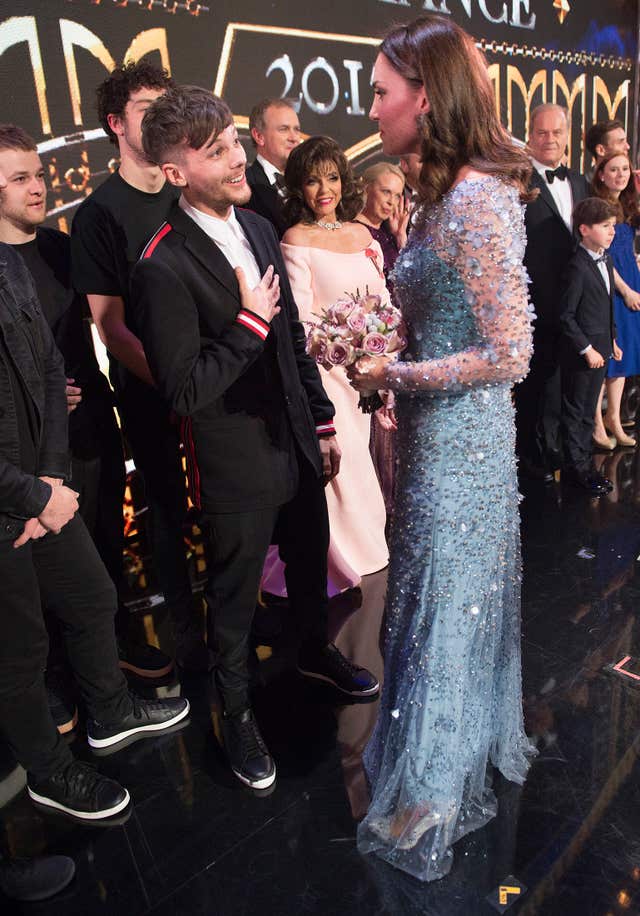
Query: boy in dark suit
{"type": "Point", "coordinates": [588, 338]}
{"type": "Point", "coordinates": [221, 332]}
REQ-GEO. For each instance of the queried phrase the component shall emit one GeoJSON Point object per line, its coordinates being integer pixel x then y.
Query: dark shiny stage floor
{"type": "Point", "coordinates": [197, 843]}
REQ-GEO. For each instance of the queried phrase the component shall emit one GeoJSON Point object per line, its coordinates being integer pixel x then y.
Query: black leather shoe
{"type": "Point", "coordinates": [585, 481]}
{"type": "Point", "coordinates": [35, 879]}
{"type": "Point", "coordinates": [328, 664]}
{"type": "Point", "coordinates": [246, 751]}
{"type": "Point", "coordinates": [147, 716]}
{"type": "Point", "coordinates": [81, 791]}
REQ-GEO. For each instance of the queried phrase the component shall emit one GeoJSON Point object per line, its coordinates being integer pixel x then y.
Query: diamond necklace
{"type": "Point", "coordinates": [330, 226]}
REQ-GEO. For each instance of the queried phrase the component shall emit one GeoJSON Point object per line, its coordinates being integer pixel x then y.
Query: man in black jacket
{"type": "Point", "coordinates": [550, 244]}
{"type": "Point", "coordinates": [227, 352]}
{"type": "Point", "coordinates": [275, 131]}
{"type": "Point", "coordinates": [47, 555]}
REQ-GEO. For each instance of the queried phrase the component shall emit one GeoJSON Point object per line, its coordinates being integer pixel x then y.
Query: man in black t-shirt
{"type": "Point", "coordinates": [109, 232]}
{"type": "Point", "coordinates": [94, 438]}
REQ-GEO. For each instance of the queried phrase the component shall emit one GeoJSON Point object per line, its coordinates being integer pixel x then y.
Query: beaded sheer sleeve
{"type": "Point", "coordinates": [476, 234]}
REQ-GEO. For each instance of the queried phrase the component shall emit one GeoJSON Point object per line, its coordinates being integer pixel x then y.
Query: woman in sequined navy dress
{"type": "Point", "coordinates": [451, 707]}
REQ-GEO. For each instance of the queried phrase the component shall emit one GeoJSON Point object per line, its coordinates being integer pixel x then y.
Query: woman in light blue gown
{"type": "Point", "coordinates": [451, 705]}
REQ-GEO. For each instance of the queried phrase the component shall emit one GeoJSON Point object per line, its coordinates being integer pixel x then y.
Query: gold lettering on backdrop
{"type": "Point", "coordinates": [514, 77]}
{"type": "Point", "coordinates": [600, 91]}
{"type": "Point", "coordinates": [494, 75]}
{"type": "Point", "coordinates": [75, 34]}
{"type": "Point", "coordinates": [147, 41]}
{"type": "Point", "coordinates": [567, 99]}
{"type": "Point", "coordinates": [15, 30]}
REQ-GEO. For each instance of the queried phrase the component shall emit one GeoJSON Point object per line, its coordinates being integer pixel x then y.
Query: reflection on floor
{"type": "Point", "coordinates": [197, 843]}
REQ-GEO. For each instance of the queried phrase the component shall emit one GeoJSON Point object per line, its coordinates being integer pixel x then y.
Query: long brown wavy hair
{"type": "Point", "coordinates": [462, 127]}
{"type": "Point", "coordinates": [626, 205]}
{"type": "Point", "coordinates": [302, 160]}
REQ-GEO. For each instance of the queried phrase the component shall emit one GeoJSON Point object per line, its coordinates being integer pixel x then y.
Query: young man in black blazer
{"type": "Point", "coordinates": [221, 332]}
{"type": "Point", "coordinates": [588, 338]}
{"type": "Point", "coordinates": [275, 131]}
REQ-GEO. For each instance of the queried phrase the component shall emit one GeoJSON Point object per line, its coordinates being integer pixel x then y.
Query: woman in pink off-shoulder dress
{"type": "Point", "coordinates": [327, 258]}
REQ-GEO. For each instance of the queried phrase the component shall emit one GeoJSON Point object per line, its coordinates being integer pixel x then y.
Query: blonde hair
{"type": "Point", "coordinates": [378, 169]}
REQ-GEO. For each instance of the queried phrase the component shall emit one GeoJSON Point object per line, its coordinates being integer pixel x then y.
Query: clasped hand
{"type": "Point", "coordinates": [60, 509]}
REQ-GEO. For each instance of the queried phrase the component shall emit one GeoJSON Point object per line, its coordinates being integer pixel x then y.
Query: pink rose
{"type": "Point", "coordinates": [374, 344]}
{"type": "Point", "coordinates": [316, 343]}
{"type": "Point", "coordinates": [357, 321]}
{"type": "Point", "coordinates": [340, 311]}
{"type": "Point", "coordinates": [370, 303]}
{"type": "Point", "coordinates": [339, 353]}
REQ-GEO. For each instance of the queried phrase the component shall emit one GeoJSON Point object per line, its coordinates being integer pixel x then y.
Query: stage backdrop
{"type": "Point", "coordinates": [54, 52]}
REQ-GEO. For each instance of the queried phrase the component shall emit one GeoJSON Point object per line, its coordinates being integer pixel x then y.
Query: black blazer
{"type": "Point", "coordinates": [586, 310]}
{"type": "Point", "coordinates": [550, 245]}
{"type": "Point", "coordinates": [246, 388]}
{"type": "Point", "coordinates": [265, 200]}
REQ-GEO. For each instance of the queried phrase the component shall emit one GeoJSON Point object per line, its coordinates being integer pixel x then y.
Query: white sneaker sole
{"type": "Point", "coordinates": [141, 729]}
{"type": "Point", "coordinates": [256, 784]}
{"type": "Point", "coordinates": [84, 815]}
{"type": "Point", "coordinates": [350, 693]}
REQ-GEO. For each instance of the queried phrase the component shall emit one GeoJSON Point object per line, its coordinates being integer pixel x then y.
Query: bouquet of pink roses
{"type": "Point", "coordinates": [353, 327]}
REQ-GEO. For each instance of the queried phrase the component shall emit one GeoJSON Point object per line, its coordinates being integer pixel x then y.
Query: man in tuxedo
{"type": "Point", "coordinates": [221, 332]}
{"type": "Point", "coordinates": [275, 131]}
{"type": "Point", "coordinates": [550, 244]}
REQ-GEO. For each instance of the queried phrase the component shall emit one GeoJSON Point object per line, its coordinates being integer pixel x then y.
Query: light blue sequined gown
{"type": "Point", "coordinates": [451, 702]}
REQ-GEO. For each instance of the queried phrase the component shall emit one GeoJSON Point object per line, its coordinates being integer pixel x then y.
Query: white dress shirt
{"type": "Point", "coordinates": [560, 190]}
{"type": "Point", "coordinates": [270, 171]}
{"type": "Point", "coordinates": [230, 239]}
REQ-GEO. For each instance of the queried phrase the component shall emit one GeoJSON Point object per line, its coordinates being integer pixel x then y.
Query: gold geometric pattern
{"type": "Point", "coordinates": [563, 8]}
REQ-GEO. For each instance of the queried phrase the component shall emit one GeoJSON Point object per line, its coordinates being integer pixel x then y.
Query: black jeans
{"type": "Point", "coordinates": [155, 444]}
{"type": "Point", "coordinates": [64, 572]}
{"type": "Point", "coordinates": [238, 546]}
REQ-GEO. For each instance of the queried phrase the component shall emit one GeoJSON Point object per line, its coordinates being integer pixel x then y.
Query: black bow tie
{"type": "Point", "coordinates": [560, 173]}
{"type": "Point", "coordinates": [601, 260]}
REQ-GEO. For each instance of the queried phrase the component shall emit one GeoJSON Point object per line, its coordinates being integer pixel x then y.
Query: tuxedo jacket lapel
{"type": "Point", "coordinates": [545, 193]}
{"type": "Point", "coordinates": [595, 270]}
{"type": "Point", "coordinates": [205, 251]}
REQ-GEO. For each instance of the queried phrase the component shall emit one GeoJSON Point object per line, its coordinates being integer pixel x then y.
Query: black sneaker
{"type": "Point", "coordinates": [246, 751]}
{"type": "Point", "coordinates": [62, 707]}
{"type": "Point", "coordinates": [35, 879]}
{"type": "Point", "coordinates": [149, 716]}
{"type": "Point", "coordinates": [329, 664]}
{"type": "Point", "coordinates": [143, 659]}
{"type": "Point", "coordinates": [81, 791]}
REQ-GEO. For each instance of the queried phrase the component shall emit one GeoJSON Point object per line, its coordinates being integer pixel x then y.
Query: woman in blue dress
{"type": "Point", "coordinates": [452, 704]}
{"type": "Point", "coordinates": [613, 180]}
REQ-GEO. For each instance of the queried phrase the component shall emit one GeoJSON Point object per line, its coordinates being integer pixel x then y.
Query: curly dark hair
{"type": "Point", "coordinates": [301, 162]}
{"type": "Point", "coordinates": [114, 92]}
{"type": "Point", "coordinates": [626, 205]}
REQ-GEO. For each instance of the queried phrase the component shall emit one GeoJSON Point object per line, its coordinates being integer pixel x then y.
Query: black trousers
{"type": "Point", "coordinates": [62, 571]}
{"type": "Point", "coordinates": [99, 479]}
{"type": "Point", "coordinates": [580, 389]}
{"type": "Point", "coordinates": [238, 546]}
{"type": "Point", "coordinates": [539, 403]}
{"type": "Point", "coordinates": [155, 445]}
